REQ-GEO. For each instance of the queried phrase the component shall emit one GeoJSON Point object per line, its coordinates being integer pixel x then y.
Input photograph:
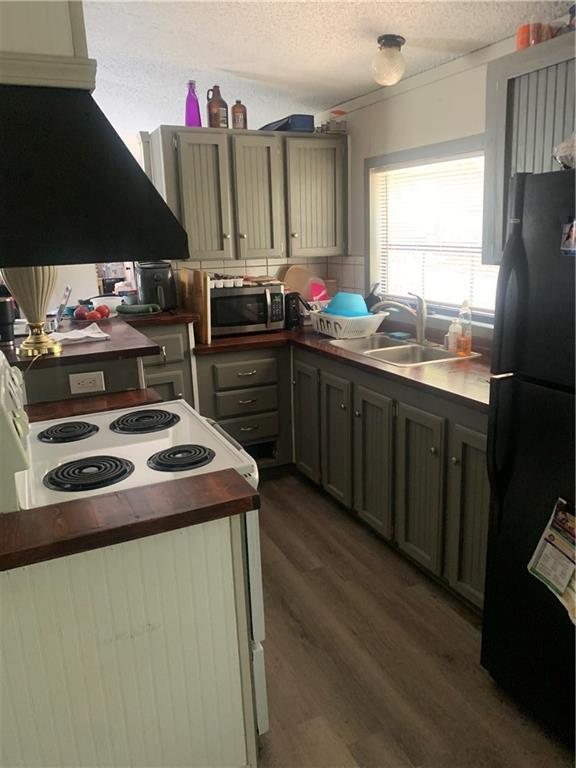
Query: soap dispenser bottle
{"type": "Point", "coordinates": [464, 342]}
{"type": "Point", "coordinates": [454, 333]}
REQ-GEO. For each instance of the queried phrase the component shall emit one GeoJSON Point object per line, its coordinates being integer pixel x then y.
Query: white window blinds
{"type": "Point", "coordinates": [427, 232]}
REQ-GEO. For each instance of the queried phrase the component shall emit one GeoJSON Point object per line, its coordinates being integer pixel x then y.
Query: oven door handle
{"type": "Point", "coordinates": [268, 307]}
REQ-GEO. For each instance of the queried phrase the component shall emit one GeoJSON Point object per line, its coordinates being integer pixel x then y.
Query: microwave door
{"type": "Point", "coordinates": [268, 308]}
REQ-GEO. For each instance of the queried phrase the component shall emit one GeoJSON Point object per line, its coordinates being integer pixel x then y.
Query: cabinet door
{"type": "Point", "coordinates": [315, 197]}
{"type": "Point", "coordinates": [373, 446]}
{"type": "Point", "coordinates": [419, 481]}
{"type": "Point", "coordinates": [336, 437]}
{"type": "Point", "coordinates": [169, 382]}
{"type": "Point", "coordinates": [529, 109]}
{"type": "Point", "coordinates": [468, 509]}
{"type": "Point", "coordinates": [259, 198]}
{"type": "Point", "coordinates": [306, 421]}
{"type": "Point", "coordinates": [205, 189]}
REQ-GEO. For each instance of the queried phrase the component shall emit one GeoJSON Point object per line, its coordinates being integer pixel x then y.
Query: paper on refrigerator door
{"type": "Point", "coordinates": [554, 559]}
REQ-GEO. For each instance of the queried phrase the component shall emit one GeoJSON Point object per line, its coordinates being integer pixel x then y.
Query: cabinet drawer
{"type": "Point", "coordinates": [242, 401]}
{"type": "Point", "coordinates": [246, 374]}
{"type": "Point", "coordinates": [250, 428]}
{"type": "Point", "coordinates": [173, 350]}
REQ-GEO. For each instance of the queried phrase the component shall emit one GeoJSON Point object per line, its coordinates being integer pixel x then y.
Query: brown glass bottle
{"type": "Point", "coordinates": [239, 115]}
{"type": "Point", "coordinates": [217, 109]}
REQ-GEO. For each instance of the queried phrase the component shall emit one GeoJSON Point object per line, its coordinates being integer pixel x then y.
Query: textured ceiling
{"type": "Point", "coordinates": [278, 57]}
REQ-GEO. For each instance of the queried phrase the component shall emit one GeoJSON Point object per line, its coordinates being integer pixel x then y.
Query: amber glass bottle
{"type": "Point", "coordinates": [217, 109]}
{"type": "Point", "coordinates": [239, 115]}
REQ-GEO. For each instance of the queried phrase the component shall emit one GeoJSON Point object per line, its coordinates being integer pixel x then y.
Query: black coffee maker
{"type": "Point", "coordinates": [292, 310]}
{"type": "Point", "coordinates": [155, 284]}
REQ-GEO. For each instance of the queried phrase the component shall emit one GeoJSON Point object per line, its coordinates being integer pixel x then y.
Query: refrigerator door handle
{"type": "Point", "coordinates": [500, 446]}
{"type": "Point", "coordinates": [511, 286]}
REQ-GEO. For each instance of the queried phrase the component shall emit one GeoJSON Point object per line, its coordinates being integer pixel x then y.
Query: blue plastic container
{"type": "Point", "coordinates": [347, 305]}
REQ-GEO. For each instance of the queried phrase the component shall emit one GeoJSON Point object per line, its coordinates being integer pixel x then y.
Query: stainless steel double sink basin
{"type": "Point", "coordinates": [399, 353]}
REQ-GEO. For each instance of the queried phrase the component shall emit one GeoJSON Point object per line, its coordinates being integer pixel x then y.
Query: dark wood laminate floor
{"type": "Point", "coordinates": [369, 662]}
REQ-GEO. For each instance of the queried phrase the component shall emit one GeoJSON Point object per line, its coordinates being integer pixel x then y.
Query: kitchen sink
{"type": "Point", "coordinates": [368, 344]}
{"type": "Point", "coordinates": [401, 353]}
{"type": "Point", "coordinates": [411, 355]}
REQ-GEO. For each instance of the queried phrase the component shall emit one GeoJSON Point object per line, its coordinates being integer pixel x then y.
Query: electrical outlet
{"type": "Point", "coordinates": [83, 383]}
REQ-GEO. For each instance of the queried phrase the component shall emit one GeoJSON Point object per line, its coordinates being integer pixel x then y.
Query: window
{"type": "Point", "coordinates": [427, 232]}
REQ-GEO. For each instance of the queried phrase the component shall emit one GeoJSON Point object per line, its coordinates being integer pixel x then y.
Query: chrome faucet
{"type": "Point", "coordinates": [420, 314]}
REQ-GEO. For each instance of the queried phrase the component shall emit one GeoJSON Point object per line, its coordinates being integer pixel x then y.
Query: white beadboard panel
{"type": "Point", "coordinates": [124, 656]}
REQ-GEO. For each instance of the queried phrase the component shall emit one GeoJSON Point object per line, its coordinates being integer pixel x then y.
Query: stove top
{"type": "Point", "coordinates": [107, 460]}
{"type": "Point", "coordinates": [67, 432]}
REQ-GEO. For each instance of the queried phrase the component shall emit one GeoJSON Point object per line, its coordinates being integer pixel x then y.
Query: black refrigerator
{"type": "Point", "coordinates": [528, 637]}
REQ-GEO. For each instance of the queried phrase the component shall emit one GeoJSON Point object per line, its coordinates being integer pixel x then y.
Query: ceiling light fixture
{"type": "Point", "coordinates": [388, 65]}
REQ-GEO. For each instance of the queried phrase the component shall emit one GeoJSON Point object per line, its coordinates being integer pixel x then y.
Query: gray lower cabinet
{"type": "Point", "coordinates": [468, 502]}
{"type": "Point", "coordinates": [336, 437]}
{"type": "Point", "coordinates": [248, 393]}
{"type": "Point", "coordinates": [169, 373]}
{"type": "Point", "coordinates": [306, 416]}
{"type": "Point", "coordinates": [169, 383]}
{"type": "Point", "coordinates": [411, 463]}
{"type": "Point", "coordinates": [373, 445]}
{"type": "Point", "coordinates": [419, 485]}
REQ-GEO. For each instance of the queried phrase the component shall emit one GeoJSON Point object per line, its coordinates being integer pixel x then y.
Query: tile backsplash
{"type": "Point", "coordinates": [348, 271]}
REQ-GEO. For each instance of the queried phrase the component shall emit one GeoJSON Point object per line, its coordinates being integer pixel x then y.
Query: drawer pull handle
{"type": "Point", "coordinates": [433, 450]}
{"type": "Point", "coordinates": [247, 402]}
{"type": "Point", "coordinates": [247, 373]}
{"type": "Point", "coordinates": [163, 353]}
{"type": "Point", "coordinates": [455, 460]}
{"type": "Point", "coordinates": [248, 429]}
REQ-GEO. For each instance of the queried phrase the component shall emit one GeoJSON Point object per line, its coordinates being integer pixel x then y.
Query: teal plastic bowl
{"type": "Point", "coordinates": [347, 305]}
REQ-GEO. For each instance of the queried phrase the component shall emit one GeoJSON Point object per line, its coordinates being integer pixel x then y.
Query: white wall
{"type": "Point", "coordinates": [81, 277]}
{"type": "Point", "coordinates": [439, 105]}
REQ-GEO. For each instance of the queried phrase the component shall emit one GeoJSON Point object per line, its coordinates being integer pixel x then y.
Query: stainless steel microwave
{"type": "Point", "coordinates": [246, 310]}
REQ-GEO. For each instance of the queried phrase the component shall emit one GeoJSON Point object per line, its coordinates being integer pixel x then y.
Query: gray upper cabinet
{"type": "Point", "coordinates": [306, 420]}
{"type": "Point", "coordinates": [468, 511]}
{"type": "Point", "coordinates": [529, 110]}
{"type": "Point", "coordinates": [205, 194]}
{"type": "Point", "coordinates": [234, 191]}
{"type": "Point", "coordinates": [373, 458]}
{"type": "Point", "coordinates": [336, 437]}
{"type": "Point", "coordinates": [258, 184]}
{"type": "Point", "coordinates": [315, 169]}
{"type": "Point", "coordinates": [419, 485]}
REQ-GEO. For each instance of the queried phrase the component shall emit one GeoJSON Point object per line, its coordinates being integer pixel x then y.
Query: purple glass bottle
{"type": "Point", "coordinates": [192, 118]}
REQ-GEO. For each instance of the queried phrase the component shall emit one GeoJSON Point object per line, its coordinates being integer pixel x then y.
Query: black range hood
{"type": "Point", "coordinates": [70, 190]}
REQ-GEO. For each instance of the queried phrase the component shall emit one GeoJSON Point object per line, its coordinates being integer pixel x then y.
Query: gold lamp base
{"type": "Point", "coordinates": [38, 342]}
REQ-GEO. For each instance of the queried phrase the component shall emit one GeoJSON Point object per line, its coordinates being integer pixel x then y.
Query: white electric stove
{"type": "Point", "coordinates": [74, 458]}
{"type": "Point", "coordinates": [117, 450]}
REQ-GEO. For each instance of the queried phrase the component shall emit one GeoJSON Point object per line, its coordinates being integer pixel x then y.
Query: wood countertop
{"type": "Point", "coordinates": [62, 409]}
{"type": "Point", "coordinates": [58, 530]}
{"type": "Point", "coordinates": [124, 342]}
{"type": "Point", "coordinates": [170, 317]}
{"type": "Point", "coordinates": [465, 381]}
{"type": "Point", "coordinates": [246, 342]}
